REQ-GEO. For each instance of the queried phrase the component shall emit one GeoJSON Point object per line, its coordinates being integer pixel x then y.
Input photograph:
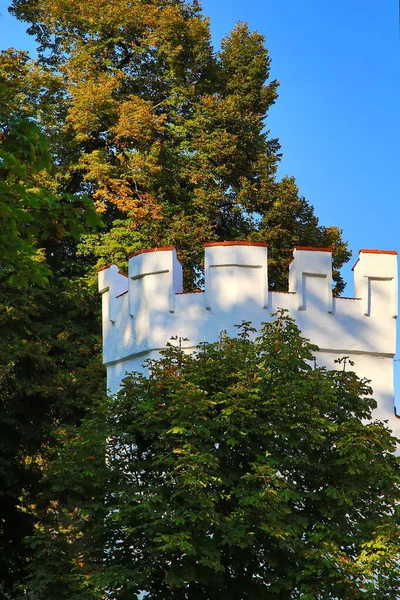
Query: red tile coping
{"type": "Point", "coordinates": [376, 251]}
{"type": "Point", "coordinates": [373, 251]}
{"type": "Point", "coordinates": [234, 243]}
{"type": "Point", "coordinates": [312, 249]}
{"type": "Point", "coordinates": [145, 250]}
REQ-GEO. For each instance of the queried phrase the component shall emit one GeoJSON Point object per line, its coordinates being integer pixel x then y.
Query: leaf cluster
{"type": "Point", "coordinates": [245, 470]}
{"type": "Point", "coordinates": [50, 375]}
{"type": "Point", "coordinates": [30, 214]}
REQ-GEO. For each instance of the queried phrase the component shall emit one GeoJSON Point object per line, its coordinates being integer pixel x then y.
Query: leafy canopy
{"type": "Point", "coordinates": [243, 470]}
{"type": "Point", "coordinates": [50, 364]}
{"type": "Point", "coordinates": [30, 213]}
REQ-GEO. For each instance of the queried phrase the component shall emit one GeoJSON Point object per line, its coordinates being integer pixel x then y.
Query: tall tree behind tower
{"type": "Point", "coordinates": [167, 136]}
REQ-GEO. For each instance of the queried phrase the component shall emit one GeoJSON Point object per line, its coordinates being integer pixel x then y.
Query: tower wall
{"type": "Point", "coordinates": [144, 310]}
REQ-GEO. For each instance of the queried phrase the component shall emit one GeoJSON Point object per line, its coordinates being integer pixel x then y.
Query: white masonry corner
{"type": "Point", "coordinates": [144, 310]}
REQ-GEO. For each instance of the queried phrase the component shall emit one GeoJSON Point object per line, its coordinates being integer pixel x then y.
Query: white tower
{"type": "Point", "coordinates": [144, 309]}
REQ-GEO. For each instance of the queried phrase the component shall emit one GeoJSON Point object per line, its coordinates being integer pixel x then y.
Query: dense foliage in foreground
{"type": "Point", "coordinates": [242, 471]}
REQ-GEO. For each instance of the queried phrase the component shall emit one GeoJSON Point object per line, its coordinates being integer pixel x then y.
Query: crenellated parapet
{"type": "Point", "coordinates": [145, 309]}
{"type": "Point", "coordinates": [375, 281]}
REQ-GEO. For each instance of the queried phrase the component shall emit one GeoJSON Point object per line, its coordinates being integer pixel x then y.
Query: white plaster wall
{"type": "Point", "coordinates": [142, 312]}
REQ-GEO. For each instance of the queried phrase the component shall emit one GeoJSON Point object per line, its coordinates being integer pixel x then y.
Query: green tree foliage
{"type": "Point", "coordinates": [167, 136]}
{"type": "Point", "coordinates": [30, 213]}
{"type": "Point", "coordinates": [241, 471]}
{"type": "Point", "coordinates": [49, 362]}
{"type": "Point", "coordinates": [50, 374]}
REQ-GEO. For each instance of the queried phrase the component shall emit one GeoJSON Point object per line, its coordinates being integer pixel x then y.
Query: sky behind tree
{"type": "Point", "coordinates": [337, 116]}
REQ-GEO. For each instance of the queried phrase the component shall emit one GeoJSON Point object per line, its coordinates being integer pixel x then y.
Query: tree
{"type": "Point", "coordinates": [50, 375]}
{"type": "Point", "coordinates": [167, 136]}
{"type": "Point", "coordinates": [30, 213]}
{"type": "Point", "coordinates": [43, 350]}
{"type": "Point", "coordinates": [240, 471]}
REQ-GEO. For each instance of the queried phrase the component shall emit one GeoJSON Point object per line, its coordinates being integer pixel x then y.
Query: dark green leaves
{"type": "Point", "coordinates": [30, 213]}
{"type": "Point", "coordinates": [245, 471]}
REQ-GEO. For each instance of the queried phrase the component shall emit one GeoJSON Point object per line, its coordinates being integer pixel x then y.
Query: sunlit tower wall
{"type": "Point", "coordinates": [144, 309]}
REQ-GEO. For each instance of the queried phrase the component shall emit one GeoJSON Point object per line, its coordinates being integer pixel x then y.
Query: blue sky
{"type": "Point", "coordinates": [338, 111]}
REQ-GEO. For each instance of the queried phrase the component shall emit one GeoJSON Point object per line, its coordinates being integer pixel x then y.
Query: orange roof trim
{"type": "Point", "coordinates": [312, 249]}
{"type": "Point", "coordinates": [145, 250]}
{"type": "Point", "coordinates": [373, 251]}
{"type": "Point", "coordinates": [376, 251]}
{"type": "Point", "coordinates": [235, 243]}
{"type": "Point", "coordinates": [185, 293]}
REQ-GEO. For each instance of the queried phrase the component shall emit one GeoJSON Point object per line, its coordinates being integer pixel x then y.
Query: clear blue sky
{"type": "Point", "coordinates": [338, 112]}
